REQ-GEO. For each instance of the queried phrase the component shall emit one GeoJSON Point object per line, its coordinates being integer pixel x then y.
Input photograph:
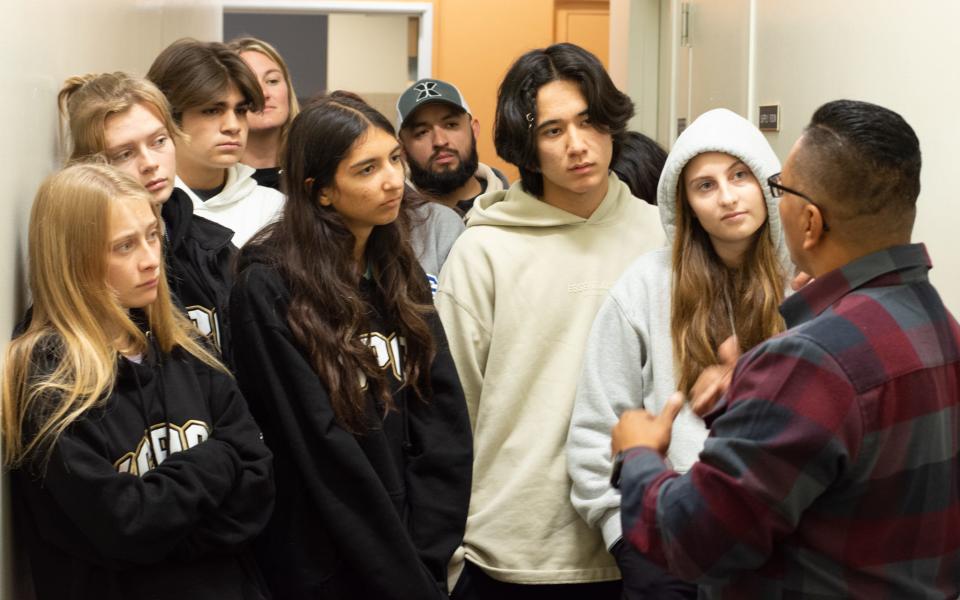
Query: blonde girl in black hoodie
{"type": "Point", "coordinates": [137, 469]}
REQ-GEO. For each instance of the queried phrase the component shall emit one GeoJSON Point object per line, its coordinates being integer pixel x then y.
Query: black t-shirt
{"type": "Point", "coordinates": [464, 206]}
{"type": "Point", "coordinates": [269, 177]}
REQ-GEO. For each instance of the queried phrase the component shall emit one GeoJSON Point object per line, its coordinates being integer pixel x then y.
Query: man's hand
{"type": "Point", "coordinates": [640, 428]}
{"type": "Point", "coordinates": [714, 380]}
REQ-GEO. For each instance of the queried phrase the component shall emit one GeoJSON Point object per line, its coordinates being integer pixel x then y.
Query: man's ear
{"type": "Point", "coordinates": [813, 226]}
{"type": "Point", "coordinates": [475, 126]}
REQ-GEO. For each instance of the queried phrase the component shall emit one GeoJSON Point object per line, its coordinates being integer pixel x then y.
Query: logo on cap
{"type": "Point", "coordinates": [426, 89]}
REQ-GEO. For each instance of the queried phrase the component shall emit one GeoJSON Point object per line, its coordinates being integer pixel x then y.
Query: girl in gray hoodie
{"type": "Point", "coordinates": [722, 274]}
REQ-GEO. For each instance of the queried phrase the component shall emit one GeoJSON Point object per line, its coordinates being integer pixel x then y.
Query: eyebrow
{"type": "Point", "coordinates": [132, 232]}
{"type": "Point", "coordinates": [735, 163]}
{"type": "Point", "coordinates": [452, 114]}
{"type": "Point", "coordinates": [372, 159]}
{"type": "Point", "coordinates": [545, 124]}
{"type": "Point", "coordinates": [244, 101]}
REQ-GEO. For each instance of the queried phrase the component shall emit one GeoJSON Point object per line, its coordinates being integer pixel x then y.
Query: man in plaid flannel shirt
{"type": "Point", "coordinates": [832, 465]}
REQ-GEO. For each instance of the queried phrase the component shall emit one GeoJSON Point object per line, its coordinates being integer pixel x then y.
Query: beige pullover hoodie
{"type": "Point", "coordinates": [517, 297]}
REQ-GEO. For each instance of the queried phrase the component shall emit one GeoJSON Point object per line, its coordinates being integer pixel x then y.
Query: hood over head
{"type": "Point", "coordinates": [721, 130]}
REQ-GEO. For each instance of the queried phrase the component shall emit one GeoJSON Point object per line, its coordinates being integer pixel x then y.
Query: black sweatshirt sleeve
{"type": "Point", "coordinates": [339, 484]}
{"type": "Point", "coordinates": [440, 466]}
{"type": "Point", "coordinates": [247, 507]}
{"type": "Point", "coordinates": [137, 519]}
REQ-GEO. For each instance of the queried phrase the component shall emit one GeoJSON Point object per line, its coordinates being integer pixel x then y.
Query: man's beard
{"type": "Point", "coordinates": [444, 182]}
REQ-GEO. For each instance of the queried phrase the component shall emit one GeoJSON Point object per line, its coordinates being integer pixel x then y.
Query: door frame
{"type": "Point", "coordinates": [423, 10]}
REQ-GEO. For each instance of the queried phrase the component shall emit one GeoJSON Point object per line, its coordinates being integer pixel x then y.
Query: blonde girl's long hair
{"type": "Point", "coordinates": [75, 313]}
{"type": "Point", "coordinates": [710, 302]}
{"type": "Point", "coordinates": [252, 44]}
{"type": "Point", "coordinates": [86, 101]}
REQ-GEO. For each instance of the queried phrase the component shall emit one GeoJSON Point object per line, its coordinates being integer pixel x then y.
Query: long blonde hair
{"type": "Point", "coordinates": [86, 101]}
{"type": "Point", "coordinates": [75, 313]}
{"type": "Point", "coordinates": [710, 302]}
{"type": "Point", "coordinates": [252, 44]}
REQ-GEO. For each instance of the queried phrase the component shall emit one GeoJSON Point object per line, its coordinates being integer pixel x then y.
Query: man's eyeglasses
{"type": "Point", "coordinates": [777, 190]}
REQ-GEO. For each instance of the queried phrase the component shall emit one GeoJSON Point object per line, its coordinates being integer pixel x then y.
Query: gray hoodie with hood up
{"type": "Point", "coordinates": [628, 361]}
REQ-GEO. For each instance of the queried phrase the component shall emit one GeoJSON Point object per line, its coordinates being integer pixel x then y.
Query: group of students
{"type": "Point", "coordinates": [327, 427]}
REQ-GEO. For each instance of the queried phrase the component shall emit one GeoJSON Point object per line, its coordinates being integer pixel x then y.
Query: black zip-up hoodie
{"type": "Point", "coordinates": [153, 494]}
{"type": "Point", "coordinates": [199, 267]}
{"type": "Point", "coordinates": [376, 515]}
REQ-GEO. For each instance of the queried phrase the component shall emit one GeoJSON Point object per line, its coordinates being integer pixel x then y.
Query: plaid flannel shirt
{"type": "Point", "coordinates": [832, 468]}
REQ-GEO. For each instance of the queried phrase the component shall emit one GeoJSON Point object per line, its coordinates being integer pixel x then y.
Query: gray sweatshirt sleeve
{"type": "Point", "coordinates": [611, 381]}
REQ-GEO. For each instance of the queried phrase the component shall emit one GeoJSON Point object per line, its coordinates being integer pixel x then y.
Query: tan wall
{"type": "Point", "coordinates": [802, 54]}
{"type": "Point", "coordinates": [367, 53]}
{"type": "Point", "coordinates": [41, 43]}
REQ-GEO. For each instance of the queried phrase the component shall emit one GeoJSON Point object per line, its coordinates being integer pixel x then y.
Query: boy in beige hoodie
{"type": "Point", "coordinates": [517, 296]}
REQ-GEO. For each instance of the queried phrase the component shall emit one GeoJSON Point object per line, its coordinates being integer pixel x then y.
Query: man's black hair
{"type": "Point", "coordinates": [515, 122]}
{"type": "Point", "coordinates": [639, 165]}
{"type": "Point", "coordinates": [863, 157]}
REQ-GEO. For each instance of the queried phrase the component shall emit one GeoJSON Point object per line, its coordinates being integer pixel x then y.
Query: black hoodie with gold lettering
{"type": "Point", "coordinates": [153, 494]}
{"type": "Point", "coordinates": [373, 515]}
{"type": "Point", "coordinates": [199, 261]}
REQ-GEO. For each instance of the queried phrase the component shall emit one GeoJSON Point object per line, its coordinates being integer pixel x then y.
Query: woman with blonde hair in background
{"type": "Point", "coordinates": [720, 282]}
{"type": "Point", "coordinates": [128, 122]}
{"type": "Point", "coordinates": [138, 471]}
{"type": "Point", "coordinates": [269, 127]}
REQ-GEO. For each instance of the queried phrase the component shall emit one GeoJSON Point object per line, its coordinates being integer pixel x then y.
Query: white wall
{"type": "Point", "coordinates": [41, 43]}
{"type": "Point", "coordinates": [802, 54]}
{"type": "Point", "coordinates": [902, 55]}
{"type": "Point", "coordinates": [634, 57]}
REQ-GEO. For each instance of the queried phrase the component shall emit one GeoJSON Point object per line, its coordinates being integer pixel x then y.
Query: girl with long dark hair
{"type": "Point", "coordinates": [337, 338]}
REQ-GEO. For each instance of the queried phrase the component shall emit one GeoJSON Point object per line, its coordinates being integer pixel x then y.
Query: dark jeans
{"type": "Point", "coordinates": [643, 580]}
{"type": "Point", "coordinates": [474, 584]}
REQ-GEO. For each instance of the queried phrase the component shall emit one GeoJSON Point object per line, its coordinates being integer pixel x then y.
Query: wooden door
{"type": "Point", "coordinates": [585, 23]}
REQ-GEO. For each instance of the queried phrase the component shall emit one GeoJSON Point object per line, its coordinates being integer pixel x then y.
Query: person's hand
{"type": "Point", "coordinates": [640, 428]}
{"type": "Point", "coordinates": [715, 379]}
{"type": "Point", "coordinates": [800, 280]}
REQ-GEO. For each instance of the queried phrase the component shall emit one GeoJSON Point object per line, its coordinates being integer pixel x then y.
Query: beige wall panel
{"type": "Point", "coordinates": [899, 55]}
{"type": "Point", "coordinates": [718, 59]}
{"type": "Point", "coordinates": [367, 53]}
{"type": "Point", "coordinates": [41, 43]}
{"type": "Point", "coordinates": [643, 55]}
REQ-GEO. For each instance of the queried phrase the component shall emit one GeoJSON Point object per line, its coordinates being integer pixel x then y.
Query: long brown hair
{"type": "Point", "coordinates": [73, 308]}
{"type": "Point", "coordinates": [313, 249]}
{"type": "Point", "coordinates": [710, 302]}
